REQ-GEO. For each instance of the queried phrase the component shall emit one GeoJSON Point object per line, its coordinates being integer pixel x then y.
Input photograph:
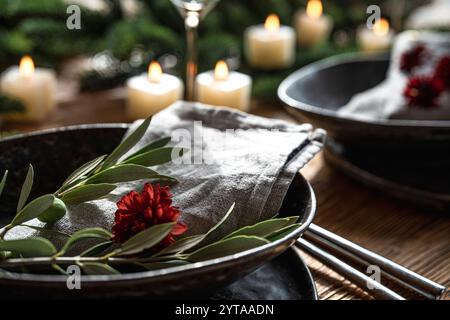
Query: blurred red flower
{"type": "Point", "coordinates": [139, 211]}
{"type": "Point", "coordinates": [412, 58]}
{"type": "Point", "coordinates": [443, 71]}
{"type": "Point", "coordinates": [423, 91]}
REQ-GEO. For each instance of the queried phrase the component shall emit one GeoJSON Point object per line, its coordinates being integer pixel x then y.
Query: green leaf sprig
{"type": "Point", "coordinates": [96, 178]}
{"type": "Point", "coordinates": [104, 257]}
{"type": "Point", "coordinates": [3, 181]}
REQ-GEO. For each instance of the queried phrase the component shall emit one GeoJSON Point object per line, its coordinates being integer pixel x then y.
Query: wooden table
{"type": "Point", "coordinates": [416, 238]}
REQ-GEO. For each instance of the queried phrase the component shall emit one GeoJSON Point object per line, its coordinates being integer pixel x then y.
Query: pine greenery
{"type": "Point", "coordinates": [38, 27]}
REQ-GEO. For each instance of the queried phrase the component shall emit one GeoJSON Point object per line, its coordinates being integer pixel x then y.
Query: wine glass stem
{"type": "Point", "coordinates": [191, 24]}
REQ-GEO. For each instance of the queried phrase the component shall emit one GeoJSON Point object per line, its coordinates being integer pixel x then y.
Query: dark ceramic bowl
{"type": "Point", "coordinates": [407, 159]}
{"type": "Point", "coordinates": [55, 153]}
{"type": "Point", "coordinates": [318, 90]}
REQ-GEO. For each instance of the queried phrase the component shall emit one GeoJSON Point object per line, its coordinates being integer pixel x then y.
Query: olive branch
{"type": "Point", "coordinates": [134, 252]}
{"type": "Point", "coordinates": [96, 179]}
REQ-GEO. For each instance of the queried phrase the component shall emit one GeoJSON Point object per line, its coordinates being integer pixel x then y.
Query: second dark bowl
{"type": "Point", "coordinates": [318, 90]}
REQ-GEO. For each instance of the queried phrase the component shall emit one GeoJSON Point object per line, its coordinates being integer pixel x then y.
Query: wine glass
{"type": "Point", "coordinates": [192, 11]}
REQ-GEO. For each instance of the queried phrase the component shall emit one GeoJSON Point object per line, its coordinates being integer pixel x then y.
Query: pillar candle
{"type": "Point", "coordinates": [312, 26]}
{"type": "Point", "coordinates": [377, 39]}
{"type": "Point", "coordinates": [270, 46]}
{"type": "Point", "coordinates": [34, 87]}
{"type": "Point", "coordinates": [223, 88]}
{"type": "Point", "coordinates": [151, 92]}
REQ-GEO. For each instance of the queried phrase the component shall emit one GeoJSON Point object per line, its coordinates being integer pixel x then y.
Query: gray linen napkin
{"type": "Point", "coordinates": [386, 101]}
{"type": "Point", "coordinates": [250, 160]}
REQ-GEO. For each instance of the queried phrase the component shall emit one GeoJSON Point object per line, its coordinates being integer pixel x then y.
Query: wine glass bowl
{"type": "Point", "coordinates": [201, 7]}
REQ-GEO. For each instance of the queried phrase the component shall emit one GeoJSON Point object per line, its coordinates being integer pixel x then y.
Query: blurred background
{"type": "Point", "coordinates": [118, 38]}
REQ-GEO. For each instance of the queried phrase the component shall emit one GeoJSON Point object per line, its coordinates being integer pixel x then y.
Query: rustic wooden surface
{"type": "Point", "coordinates": [416, 238]}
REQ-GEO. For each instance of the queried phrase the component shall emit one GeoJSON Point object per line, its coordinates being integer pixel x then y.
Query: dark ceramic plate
{"type": "Point", "coordinates": [55, 153]}
{"type": "Point", "coordinates": [284, 278]}
{"type": "Point", "coordinates": [425, 184]}
{"type": "Point", "coordinates": [316, 91]}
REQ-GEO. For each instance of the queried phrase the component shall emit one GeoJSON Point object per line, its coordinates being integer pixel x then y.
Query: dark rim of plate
{"type": "Point", "coordinates": [333, 61]}
{"type": "Point", "coordinates": [197, 267]}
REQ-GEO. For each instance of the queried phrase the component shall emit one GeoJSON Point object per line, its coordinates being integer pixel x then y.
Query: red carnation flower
{"type": "Point", "coordinates": [139, 211]}
{"type": "Point", "coordinates": [423, 91]}
{"type": "Point", "coordinates": [442, 71]}
{"type": "Point", "coordinates": [412, 58]}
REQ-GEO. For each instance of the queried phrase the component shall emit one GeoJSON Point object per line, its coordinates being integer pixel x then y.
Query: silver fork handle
{"type": "Point", "coordinates": [357, 277]}
{"type": "Point", "coordinates": [395, 272]}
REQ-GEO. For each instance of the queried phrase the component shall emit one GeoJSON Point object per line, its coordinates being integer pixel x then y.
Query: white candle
{"type": "Point", "coordinates": [223, 88]}
{"type": "Point", "coordinates": [35, 88]}
{"type": "Point", "coordinates": [152, 92]}
{"type": "Point", "coordinates": [313, 27]}
{"type": "Point", "coordinates": [377, 39]}
{"type": "Point", "coordinates": [270, 46]}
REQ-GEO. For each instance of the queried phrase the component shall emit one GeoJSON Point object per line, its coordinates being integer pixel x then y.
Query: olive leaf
{"type": "Point", "coordinates": [154, 145]}
{"type": "Point", "coordinates": [128, 143]}
{"type": "Point", "coordinates": [282, 232]}
{"type": "Point", "coordinates": [86, 193]}
{"type": "Point", "coordinates": [145, 239]}
{"type": "Point", "coordinates": [163, 264]}
{"type": "Point", "coordinates": [125, 172]}
{"type": "Point", "coordinates": [29, 247]}
{"type": "Point", "coordinates": [222, 221]}
{"type": "Point", "coordinates": [97, 268]}
{"type": "Point", "coordinates": [3, 181]}
{"type": "Point", "coordinates": [59, 269]}
{"type": "Point", "coordinates": [33, 209]}
{"type": "Point", "coordinates": [212, 234]}
{"type": "Point", "coordinates": [226, 247]}
{"type": "Point", "coordinates": [96, 249]}
{"type": "Point", "coordinates": [85, 169]}
{"type": "Point", "coordinates": [26, 188]}
{"type": "Point", "coordinates": [181, 245]}
{"type": "Point", "coordinates": [264, 228]}
{"type": "Point", "coordinates": [155, 157]}
{"type": "Point", "coordinates": [70, 185]}
{"type": "Point", "coordinates": [88, 233]}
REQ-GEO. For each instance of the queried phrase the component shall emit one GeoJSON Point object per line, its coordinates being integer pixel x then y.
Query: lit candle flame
{"type": "Point", "coordinates": [221, 70]}
{"type": "Point", "coordinates": [272, 23]}
{"type": "Point", "coordinates": [26, 66]}
{"type": "Point", "coordinates": [154, 72]}
{"type": "Point", "coordinates": [381, 27]}
{"type": "Point", "coordinates": [314, 9]}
